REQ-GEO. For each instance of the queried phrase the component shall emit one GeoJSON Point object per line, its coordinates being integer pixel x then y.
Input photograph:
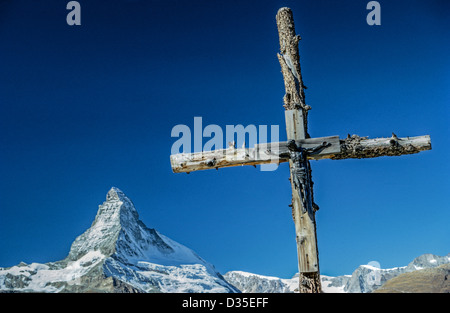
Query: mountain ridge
{"type": "Point", "coordinates": [364, 279]}
{"type": "Point", "coordinates": [118, 253]}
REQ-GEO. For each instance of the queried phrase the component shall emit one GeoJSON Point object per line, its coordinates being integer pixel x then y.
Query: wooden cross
{"type": "Point", "coordinates": [298, 150]}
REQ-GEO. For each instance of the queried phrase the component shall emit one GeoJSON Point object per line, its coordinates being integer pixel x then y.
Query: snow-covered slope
{"type": "Point", "coordinates": [118, 253]}
{"type": "Point", "coordinates": [368, 278]}
{"type": "Point", "coordinates": [255, 283]}
{"type": "Point", "coordinates": [364, 279]}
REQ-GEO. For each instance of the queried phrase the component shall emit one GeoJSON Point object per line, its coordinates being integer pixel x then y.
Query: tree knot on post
{"type": "Point", "coordinates": [394, 141]}
{"type": "Point", "coordinates": [211, 162]}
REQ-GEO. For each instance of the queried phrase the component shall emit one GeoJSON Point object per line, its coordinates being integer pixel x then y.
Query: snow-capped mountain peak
{"type": "Point", "coordinates": [365, 278]}
{"type": "Point", "coordinates": [119, 250]}
{"type": "Point", "coordinates": [116, 194]}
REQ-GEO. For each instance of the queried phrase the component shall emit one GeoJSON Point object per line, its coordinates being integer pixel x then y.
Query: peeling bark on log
{"type": "Point", "coordinates": [310, 283]}
{"type": "Point", "coordinates": [289, 59]}
{"type": "Point", "coordinates": [355, 147]}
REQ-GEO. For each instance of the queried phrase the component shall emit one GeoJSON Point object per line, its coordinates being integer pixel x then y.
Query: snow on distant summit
{"type": "Point", "coordinates": [365, 278]}
{"type": "Point", "coordinates": [118, 253]}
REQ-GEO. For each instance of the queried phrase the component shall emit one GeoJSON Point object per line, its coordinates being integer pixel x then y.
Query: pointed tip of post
{"type": "Point", "coordinates": [283, 9]}
{"type": "Point", "coordinates": [283, 12]}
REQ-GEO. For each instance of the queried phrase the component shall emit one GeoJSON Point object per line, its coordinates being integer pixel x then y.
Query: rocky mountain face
{"type": "Point", "coordinates": [253, 283]}
{"type": "Point", "coordinates": [118, 253]}
{"type": "Point", "coordinates": [364, 279]}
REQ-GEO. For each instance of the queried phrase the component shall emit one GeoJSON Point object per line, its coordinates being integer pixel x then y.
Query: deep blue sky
{"type": "Point", "coordinates": [84, 108]}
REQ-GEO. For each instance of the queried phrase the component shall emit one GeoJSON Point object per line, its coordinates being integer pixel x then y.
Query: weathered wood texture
{"type": "Point", "coordinates": [300, 172]}
{"type": "Point", "coordinates": [304, 217]}
{"type": "Point", "coordinates": [355, 147]}
{"type": "Point", "coordinates": [297, 129]}
{"type": "Point", "coordinates": [289, 58]}
{"type": "Point", "coordinates": [277, 152]}
{"type": "Point", "coordinates": [290, 61]}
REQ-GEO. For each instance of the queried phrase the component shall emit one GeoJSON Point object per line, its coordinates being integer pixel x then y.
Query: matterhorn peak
{"type": "Point", "coordinates": [115, 194]}
{"type": "Point", "coordinates": [116, 217]}
{"type": "Point", "coordinates": [117, 209]}
{"type": "Point", "coordinates": [117, 197]}
{"type": "Point", "coordinates": [119, 253]}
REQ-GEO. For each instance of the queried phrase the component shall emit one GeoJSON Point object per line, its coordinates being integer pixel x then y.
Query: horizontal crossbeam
{"type": "Point", "coordinates": [261, 154]}
{"type": "Point", "coordinates": [353, 147]}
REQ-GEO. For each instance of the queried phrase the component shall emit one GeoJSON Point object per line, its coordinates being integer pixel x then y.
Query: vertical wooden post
{"type": "Point", "coordinates": [296, 128]}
